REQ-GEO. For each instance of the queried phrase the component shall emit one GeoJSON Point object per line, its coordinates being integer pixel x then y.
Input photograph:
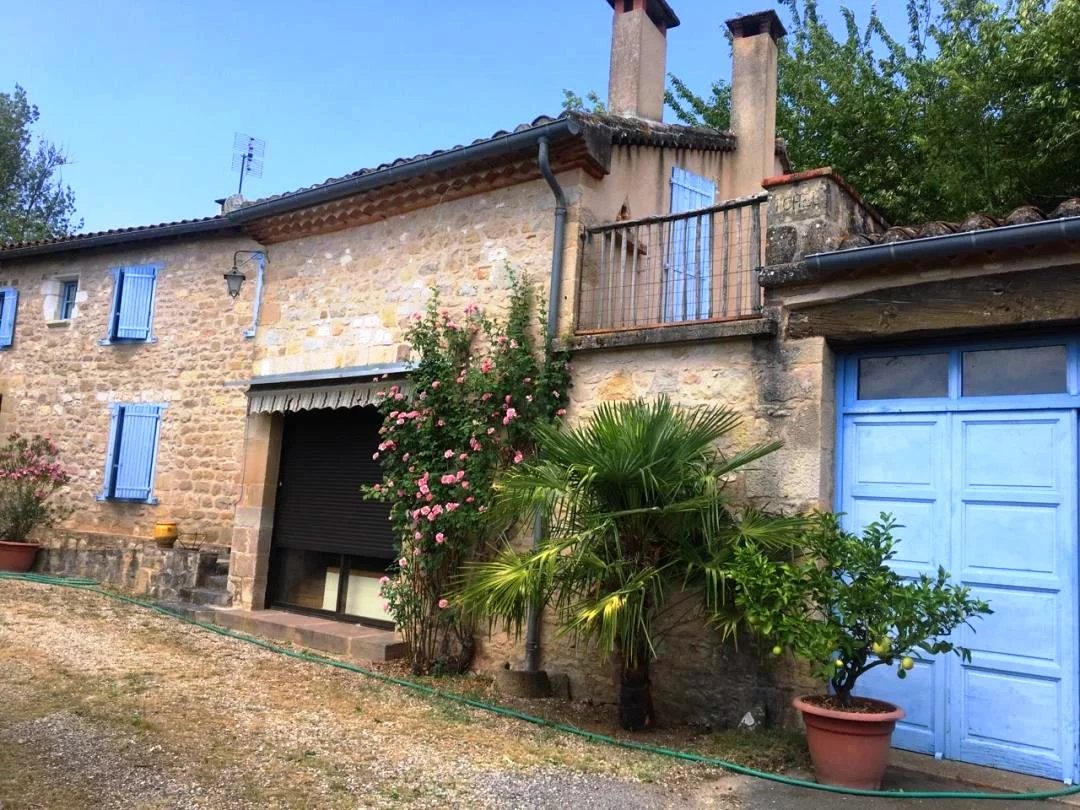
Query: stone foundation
{"type": "Point", "coordinates": [132, 565]}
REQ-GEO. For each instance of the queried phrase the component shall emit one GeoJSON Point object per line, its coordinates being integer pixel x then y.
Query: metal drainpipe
{"type": "Point", "coordinates": [532, 629]}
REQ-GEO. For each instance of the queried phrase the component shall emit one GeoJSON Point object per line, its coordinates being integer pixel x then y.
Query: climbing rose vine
{"type": "Point", "coordinates": [477, 387]}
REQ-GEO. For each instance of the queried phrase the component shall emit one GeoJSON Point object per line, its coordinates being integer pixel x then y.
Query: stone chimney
{"type": "Point", "coordinates": [639, 57]}
{"type": "Point", "coordinates": [753, 98]}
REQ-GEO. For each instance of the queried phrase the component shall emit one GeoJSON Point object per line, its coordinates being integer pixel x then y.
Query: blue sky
{"type": "Point", "coordinates": [146, 95]}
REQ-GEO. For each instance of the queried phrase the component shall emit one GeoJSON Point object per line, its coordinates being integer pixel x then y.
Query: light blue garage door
{"type": "Point", "coordinates": [974, 449]}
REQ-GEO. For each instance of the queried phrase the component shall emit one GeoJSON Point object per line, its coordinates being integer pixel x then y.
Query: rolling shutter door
{"type": "Point", "coordinates": [325, 458]}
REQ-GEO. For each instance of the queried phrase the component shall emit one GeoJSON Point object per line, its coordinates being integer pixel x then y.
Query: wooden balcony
{"type": "Point", "coordinates": [694, 267]}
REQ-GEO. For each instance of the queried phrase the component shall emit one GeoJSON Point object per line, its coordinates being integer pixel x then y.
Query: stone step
{"type": "Point", "coordinates": [205, 596]}
{"type": "Point", "coordinates": [198, 613]}
{"type": "Point", "coordinates": [216, 582]}
{"type": "Point", "coordinates": [325, 635]}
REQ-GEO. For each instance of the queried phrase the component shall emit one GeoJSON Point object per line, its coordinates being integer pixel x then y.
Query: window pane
{"type": "Point", "coordinates": [1031, 370]}
{"type": "Point", "coordinates": [904, 376]}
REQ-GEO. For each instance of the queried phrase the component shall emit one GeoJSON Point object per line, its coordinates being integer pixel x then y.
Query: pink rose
{"type": "Point", "coordinates": [444, 603]}
{"type": "Point", "coordinates": [440, 537]}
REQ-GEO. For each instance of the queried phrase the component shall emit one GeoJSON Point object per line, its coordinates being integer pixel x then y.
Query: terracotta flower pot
{"type": "Point", "coordinates": [17, 557]}
{"type": "Point", "coordinates": [849, 748]}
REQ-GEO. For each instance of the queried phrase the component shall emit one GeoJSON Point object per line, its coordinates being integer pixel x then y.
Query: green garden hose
{"type": "Point", "coordinates": [85, 584]}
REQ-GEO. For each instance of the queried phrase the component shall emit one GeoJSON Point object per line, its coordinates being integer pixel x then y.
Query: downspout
{"type": "Point", "coordinates": [532, 629]}
{"type": "Point", "coordinates": [260, 264]}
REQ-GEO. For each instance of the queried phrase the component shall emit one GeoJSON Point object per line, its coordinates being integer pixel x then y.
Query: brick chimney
{"type": "Point", "coordinates": [639, 57]}
{"type": "Point", "coordinates": [753, 98]}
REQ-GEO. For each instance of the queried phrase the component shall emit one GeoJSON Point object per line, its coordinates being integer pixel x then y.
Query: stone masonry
{"type": "Point", "coordinates": [56, 379]}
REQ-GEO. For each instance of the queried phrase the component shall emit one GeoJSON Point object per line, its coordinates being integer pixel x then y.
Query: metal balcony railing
{"type": "Point", "coordinates": [697, 266]}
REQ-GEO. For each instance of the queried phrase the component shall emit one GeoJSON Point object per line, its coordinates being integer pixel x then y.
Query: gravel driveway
{"type": "Point", "coordinates": [109, 705]}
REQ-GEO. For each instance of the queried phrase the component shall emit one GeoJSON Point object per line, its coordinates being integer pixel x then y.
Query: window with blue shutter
{"type": "Point", "coordinates": [687, 292]}
{"type": "Point", "coordinates": [132, 453]}
{"type": "Point", "coordinates": [9, 302]}
{"type": "Point", "coordinates": [133, 303]}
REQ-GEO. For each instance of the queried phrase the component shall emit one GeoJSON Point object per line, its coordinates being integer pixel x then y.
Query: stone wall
{"type": "Point", "coordinates": [56, 379]}
{"type": "Point", "coordinates": [783, 390]}
{"type": "Point", "coordinates": [345, 298]}
{"type": "Point", "coordinates": [134, 566]}
{"type": "Point", "coordinates": [812, 211]}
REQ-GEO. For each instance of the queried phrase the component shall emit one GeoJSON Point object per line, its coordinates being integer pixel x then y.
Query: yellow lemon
{"type": "Point", "coordinates": [777, 650]}
{"type": "Point", "coordinates": [907, 662]}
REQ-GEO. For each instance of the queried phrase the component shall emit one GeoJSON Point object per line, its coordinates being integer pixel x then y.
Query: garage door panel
{"type": "Point", "coordinates": [989, 533]}
{"type": "Point", "coordinates": [1026, 736]}
{"type": "Point", "coordinates": [920, 695]}
{"type": "Point", "coordinates": [915, 550]}
{"type": "Point", "coordinates": [1013, 542]}
{"type": "Point", "coordinates": [991, 496]}
{"type": "Point", "coordinates": [894, 452]}
{"type": "Point", "coordinates": [1029, 446]}
{"type": "Point", "coordinates": [1028, 639]}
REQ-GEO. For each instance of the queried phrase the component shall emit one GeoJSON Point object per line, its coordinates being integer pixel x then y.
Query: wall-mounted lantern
{"type": "Point", "coordinates": [234, 278]}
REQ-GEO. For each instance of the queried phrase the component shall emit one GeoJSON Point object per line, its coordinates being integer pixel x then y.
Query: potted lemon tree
{"type": "Point", "coordinates": [29, 476]}
{"type": "Point", "coordinates": [844, 610]}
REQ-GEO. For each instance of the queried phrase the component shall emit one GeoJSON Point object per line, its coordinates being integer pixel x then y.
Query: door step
{"type": "Point", "coordinates": [325, 635]}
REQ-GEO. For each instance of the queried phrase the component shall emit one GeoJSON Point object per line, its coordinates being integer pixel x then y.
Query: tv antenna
{"type": "Point", "coordinates": [248, 154]}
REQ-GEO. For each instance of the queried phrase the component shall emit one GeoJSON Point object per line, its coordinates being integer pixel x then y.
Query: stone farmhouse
{"type": "Point", "coordinates": [930, 371]}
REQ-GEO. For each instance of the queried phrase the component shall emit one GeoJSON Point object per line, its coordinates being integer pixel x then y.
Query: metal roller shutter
{"type": "Point", "coordinates": [325, 458]}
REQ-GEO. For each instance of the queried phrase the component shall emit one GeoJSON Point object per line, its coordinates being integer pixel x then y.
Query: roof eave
{"type": "Point", "coordinates": [110, 239]}
{"type": "Point", "coordinates": [499, 146]}
{"type": "Point", "coordinates": [824, 266]}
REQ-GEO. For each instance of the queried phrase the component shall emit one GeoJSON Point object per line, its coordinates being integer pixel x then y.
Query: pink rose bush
{"type": "Point", "coordinates": [465, 413]}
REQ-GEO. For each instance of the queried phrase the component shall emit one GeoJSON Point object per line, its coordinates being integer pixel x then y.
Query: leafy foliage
{"type": "Point", "coordinates": [34, 202]}
{"type": "Point", "coordinates": [842, 608]}
{"type": "Point", "coordinates": [29, 476]}
{"type": "Point", "coordinates": [638, 510]}
{"type": "Point", "coordinates": [478, 388]}
{"type": "Point", "coordinates": [975, 107]}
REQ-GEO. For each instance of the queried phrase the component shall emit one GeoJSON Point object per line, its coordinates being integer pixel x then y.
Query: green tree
{"type": "Point", "coordinates": [639, 513]}
{"type": "Point", "coordinates": [975, 107]}
{"type": "Point", "coordinates": [34, 202]}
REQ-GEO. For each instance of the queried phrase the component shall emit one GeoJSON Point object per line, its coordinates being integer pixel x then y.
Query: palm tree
{"type": "Point", "coordinates": [637, 511]}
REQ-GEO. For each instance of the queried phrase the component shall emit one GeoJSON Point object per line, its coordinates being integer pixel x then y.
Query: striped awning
{"type": "Point", "coordinates": [340, 388]}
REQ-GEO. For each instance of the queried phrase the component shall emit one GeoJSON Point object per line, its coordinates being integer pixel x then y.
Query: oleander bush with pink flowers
{"type": "Point", "coordinates": [30, 474]}
{"type": "Point", "coordinates": [477, 388]}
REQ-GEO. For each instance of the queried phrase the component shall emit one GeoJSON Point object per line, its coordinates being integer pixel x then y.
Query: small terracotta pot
{"type": "Point", "coordinates": [849, 749]}
{"type": "Point", "coordinates": [17, 557]}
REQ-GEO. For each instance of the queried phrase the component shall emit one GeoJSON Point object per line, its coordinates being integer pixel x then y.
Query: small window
{"type": "Point", "coordinates": [132, 453]}
{"type": "Point", "coordinates": [9, 302]}
{"type": "Point", "coordinates": [904, 376]}
{"type": "Point", "coordinates": [133, 303]}
{"type": "Point", "coordinates": [66, 306]}
{"type": "Point", "coordinates": [1003, 372]}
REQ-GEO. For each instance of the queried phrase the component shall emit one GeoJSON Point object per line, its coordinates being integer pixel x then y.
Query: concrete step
{"type": "Point", "coordinates": [198, 613]}
{"type": "Point", "coordinates": [325, 635]}
{"type": "Point", "coordinates": [205, 596]}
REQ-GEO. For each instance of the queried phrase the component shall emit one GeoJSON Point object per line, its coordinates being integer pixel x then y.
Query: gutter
{"type": "Point", "coordinates": [821, 266]}
{"type": "Point", "coordinates": [558, 247]}
{"type": "Point", "coordinates": [217, 224]}
{"type": "Point", "coordinates": [485, 150]}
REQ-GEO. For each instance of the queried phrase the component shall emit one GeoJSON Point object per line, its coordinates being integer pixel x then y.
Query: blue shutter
{"type": "Point", "coordinates": [133, 439]}
{"type": "Point", "coordinates": [688, 275]}
{"type": "Point", "coordinates": [134, 302]}
{"type": "Point", "coordinates": [7, 315]}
